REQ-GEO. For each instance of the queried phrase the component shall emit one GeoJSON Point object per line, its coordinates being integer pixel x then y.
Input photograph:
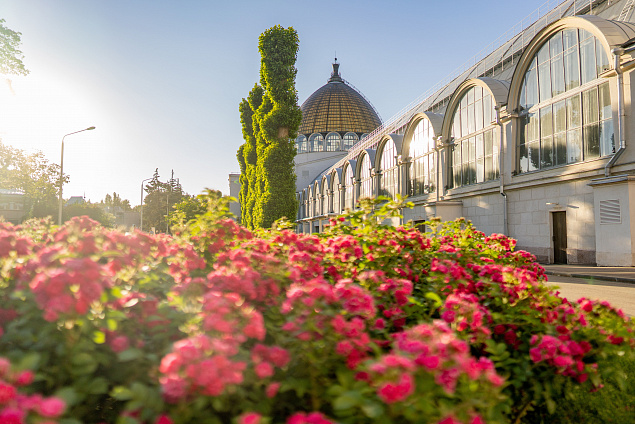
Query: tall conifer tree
{"type": "Point", "coordinates": [268, 193]}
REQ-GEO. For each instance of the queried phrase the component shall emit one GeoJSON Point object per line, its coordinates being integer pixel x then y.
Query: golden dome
{"type": "Point", "coordinates": [337, 107]}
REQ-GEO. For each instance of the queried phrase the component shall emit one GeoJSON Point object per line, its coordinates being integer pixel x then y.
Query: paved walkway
{"type": "Point", "coordinates": [606, 273]}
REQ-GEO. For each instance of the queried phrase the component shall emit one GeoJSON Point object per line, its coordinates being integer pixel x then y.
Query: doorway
{"type": "Point", "coordinates": [559, 237]}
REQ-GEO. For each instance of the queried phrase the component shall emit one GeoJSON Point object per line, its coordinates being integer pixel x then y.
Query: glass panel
{"type": "Point", "coordinates": [523, 161]}
{"type": "Point", "coordinates": [560, 149]}
{"type": "Point", "coordinates": [479, 146]}
{"type": "Point", "coordinates": [557, 76]}
{"type": "Point", "coordinates": [489, 172]}
{"type": "Point", "coordinates": [464, 101]}
{"type": "Point", "coordinates": [584, 34]}
{"type": "Point", "coordinates": [605, 101]}
{"type": "Point", "coordinates": [587, 57]}
{"type": "Point", "coordinates": [555, 45]}
{"type": "Point", "coordinates": [487, 111]}
{"type": "Point", "coordinates": [559, 117]}
{"type": "Point", "coordinates": [533, 151]}
{"type": "Point", "coordinates": [544, 80]}
{"type": "Point", "coordinates": [574, 146]}
{"type": "Point", "coordinates": [607, 138]}
{"type": "Point", "coordinates": [590, 110]}
{"type": "Point", "coordinates": [470, 96]}
{"type": "Point", "coordinates": [602, 60]}
{"type": "Point", "coordinates": [464, 131]}
{"type": "Point", "coordinates": [532, 127]}
{"type": "Point", "coordinates": [471, 122]}
{"type": "Point", "coordinates": [546, 152]}
{"type": "Point", "coordinates": [591, 141]}
{"type": "Point", "coordinates": [531, 79]}
{"type": "Point", "coordinates": [478, 114]}
{"type": "Point", "coordinates": [472, 142]}
{"type": "Point", "coordinates": [546, 125]}
{"type": "Point", "coordinates": [573, 112]}
{"type": "Point", "coordinates": [543, 54]}
{"type": "Point", "coordinates": [478, 93]}
{"type": "Point", "coordinates": [488, 143]}
{"type": "Point", "coordinates": [570, 38]}
{"type": "Point", "coordinates": [571, 69]}
{"type": "Point", "coordinates": [456, 126]}
{"type": "Point", "coordinates": [480, 170]}
{"type": "Point", "coordinates": [495, 162]}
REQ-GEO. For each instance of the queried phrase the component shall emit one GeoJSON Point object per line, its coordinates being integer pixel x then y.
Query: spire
{"type": "Point", "coordinates": [335, 75]}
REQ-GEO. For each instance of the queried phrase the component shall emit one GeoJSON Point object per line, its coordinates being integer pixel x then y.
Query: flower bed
{"type": "Point", "coordinates": [364, 324]}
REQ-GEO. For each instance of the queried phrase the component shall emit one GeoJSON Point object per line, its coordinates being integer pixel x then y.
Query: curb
{"type": "Point", "coordinates": [593, 277]}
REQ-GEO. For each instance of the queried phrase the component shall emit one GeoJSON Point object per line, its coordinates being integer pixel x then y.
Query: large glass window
{"type": "Point", "coordinates": [332, 142]}
{"type": "Point", "coordinates": [365, 179]}
{"type": "Point", "coordinates": [349, 140]}
{"type": "Point", "coordinates": [316, 142]}
{"type": "Point", "coordinates": [348, 184]}
{"type": "Point", "coordinates": [301, 144]}
{"type": "Point", "coordinates": [474, 153]}
{"type": "Point", "coordinates": [423, 166]}
{"type": "Point", "coordinates": [565, 114]}
{"type": "Point", "coordinates": [336, 193]}
{"type": "Point", "coordinates": [389, 171]}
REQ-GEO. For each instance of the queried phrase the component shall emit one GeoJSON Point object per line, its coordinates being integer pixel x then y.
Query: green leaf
{"type": "Point", "coordinates": [435, 298]}
{"type": "Point", "coordinates": [130, 355]}
{"type": "Point", "coordinates": [346, 401]}
{"type": "Point", "coordinates": [68, 395]}
{"type": "Point", "coordinates": [372, 409]}
{"type": "Point", "coordinates": [121, 393]}
{"type": "Point", "coordinates": [98, 386]}
{"type": "Point", "coordinates": [551, 405]}
{"type": "Point", "coordinates": [83, 363]}
{"type": "Point", "coordinates": [30, 361]}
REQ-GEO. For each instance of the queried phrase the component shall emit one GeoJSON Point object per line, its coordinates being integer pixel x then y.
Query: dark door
{"type": "Point", "coordinates": [560, 237]}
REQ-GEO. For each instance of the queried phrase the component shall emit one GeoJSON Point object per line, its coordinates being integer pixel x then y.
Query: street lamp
{"type": "Point", "coordinates": [141, 224]}
{"type": "Point", "coordinates": [59, 213]}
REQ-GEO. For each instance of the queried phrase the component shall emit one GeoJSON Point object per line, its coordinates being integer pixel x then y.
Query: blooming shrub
{"type": "Point", "coordinates": [364, 324]}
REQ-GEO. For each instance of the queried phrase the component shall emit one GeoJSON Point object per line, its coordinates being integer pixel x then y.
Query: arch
{"type": "Point", "coordinates": [332, 142]}
{"type": "Point", "coordinates": [364, 172]}
{"type": "Point", "coordinates": [387, 166]}
{"type": "Point", "coordinates": [436, 123]}
{"type": "Point", "coordinates": [372, 154]}
{"type": "Point", "coordinates": [610, 34]}
{"type": "Point", "coordinates": [302, 144]}
{"type": "Point", "coordinates": [316, 142]}
{"type": "Point", "coordinates": [349, 140]}
{"type": "Point", "coordinates": [336, 177]}
{"type": "Point", "coordinates": [348, 183]}
{"type": "Point", "coordinates": [396, 139]}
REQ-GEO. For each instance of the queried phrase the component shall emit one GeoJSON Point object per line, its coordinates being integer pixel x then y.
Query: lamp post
{"type": "Point", "coordinates": [141, 224]}
{"type": "Point", "coordinates": [59, 213]}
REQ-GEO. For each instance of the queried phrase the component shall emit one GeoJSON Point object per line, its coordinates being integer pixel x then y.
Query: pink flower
{"type": "Point", "coordinates": [24, 378]}
{"type": "Point", "coordinates": [119, 344]}
{"type": "Point", "coordinates": [249, 418]}
{"type": "Point", "coordinates": [51, 407]}
{"type": "Point", "coordinates": [163, 419]}
{"type": "Point", "coordinates": [11, 416]}
{"type": "Point", "coordinates": [7, 392]}
{"type": "Point", "coordinates": [272, 389]}
{"type": "Point", "coordinates": [264, 370]}
{"type": "Point", "coordinates": [395, 392]}
{"type": "Point", "coordinates": [449, 420]}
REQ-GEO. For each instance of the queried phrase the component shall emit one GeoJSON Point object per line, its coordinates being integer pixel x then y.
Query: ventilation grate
{"type": "Point", "coordinates": [610, 212]}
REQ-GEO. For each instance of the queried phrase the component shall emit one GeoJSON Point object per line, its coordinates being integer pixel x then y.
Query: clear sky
{"type": "Point", "coordinates": [161, 80]}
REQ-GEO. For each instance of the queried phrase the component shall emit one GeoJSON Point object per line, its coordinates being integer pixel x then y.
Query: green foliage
{"type": "Point", "coordinates": [193, 208]}
{"type": "Point", "coordinates": [34, 176]}
{"type": "Point", "coordinates": [270, 119]}
{"type": "Point", "coordinates": [159, 202]}
{"type": "Point", "coordinates": [10, 55]}
{"type": "Point", "coordinates": [115, 201]}
{"type": "Point", "coordinates": [93, 211]}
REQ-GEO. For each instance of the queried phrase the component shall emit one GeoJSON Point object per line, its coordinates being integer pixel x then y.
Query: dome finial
{"type": "Point", "coordinates": [335, 75]}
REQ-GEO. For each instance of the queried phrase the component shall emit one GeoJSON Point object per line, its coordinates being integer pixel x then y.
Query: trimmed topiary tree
{"type": "Point", "coordinates": [276, 117]}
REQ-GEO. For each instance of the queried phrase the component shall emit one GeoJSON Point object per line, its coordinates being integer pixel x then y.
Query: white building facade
{"type": "Point", "coordinates": [534, 141]}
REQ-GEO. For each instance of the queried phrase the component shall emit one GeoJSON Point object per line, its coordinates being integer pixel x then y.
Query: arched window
{"type": "Point", "coordinates": [324, 198]}
{"type": "Point", "coordinates": [301, 144]}
{"type": "Point", "coordinates": [332, 142]}
{"type": "Point", "coordinates": [336, 193]}
{"type": "Point", "coordinates": [565, 108]}
{"type": "Point", "coordinates": [422, 168]}
{"type": "Point", "coordinates": [365, 179]}
{"type": "Point", "coordinates": [316, 142]}
{"type": "Point", "coordinates": [310, 204]}
{"type": "Point", "coordinates": [349, 141]}
{"type": "Point", "coordinates": [361, 137]}
{"type": "Point", "coordinates": [474, 153]}
{"type": "Point", "coordinates": [389, 171]}
{"type": "Point", "coordinates": [349, 184]}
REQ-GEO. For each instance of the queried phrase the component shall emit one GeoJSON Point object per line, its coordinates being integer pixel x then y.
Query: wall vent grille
{"type": "Point", "coordinates": [610, 212]}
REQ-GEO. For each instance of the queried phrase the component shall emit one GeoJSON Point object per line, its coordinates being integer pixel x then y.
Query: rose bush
{"type": "Point", "coordinates": [366, 323]}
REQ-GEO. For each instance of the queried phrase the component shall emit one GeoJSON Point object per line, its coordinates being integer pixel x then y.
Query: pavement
{"type": "Point", "coordinates": [606, 273]}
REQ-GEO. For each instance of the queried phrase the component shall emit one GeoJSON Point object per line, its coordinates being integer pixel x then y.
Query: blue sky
{"type": "Point", "coordinates": [162, 80]}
